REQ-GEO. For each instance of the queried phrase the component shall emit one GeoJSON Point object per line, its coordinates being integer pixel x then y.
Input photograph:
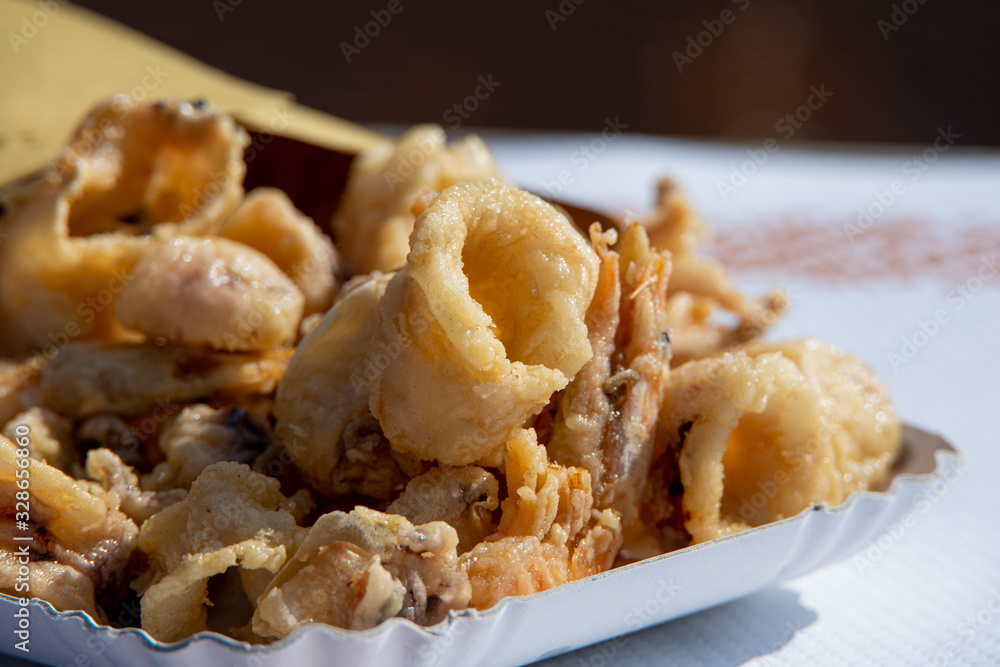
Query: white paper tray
{"type": "Point", "coordinates": [521, 630]}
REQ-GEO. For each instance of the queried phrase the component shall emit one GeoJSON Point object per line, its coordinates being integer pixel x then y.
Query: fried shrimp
{"type": "Point", "coordinates": [486, 322]}
{"type": "Point", "coordinates": [356, 570]}
{"type": "Point", "coordinates": [549, 532]}
{"type": "Point", "coordinates": [387, 183]}
{"type": "Point", "coordinates": [606, 418]}
{"type": "Point", "coordinates": [699, 286]}
{"type": "Point", "coordinates": [76, 228]}
{"type": "Point", "coordinates": [219, 293]}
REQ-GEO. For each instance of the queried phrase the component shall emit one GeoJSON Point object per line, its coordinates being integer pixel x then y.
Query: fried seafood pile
{"type": "Point", "coordinates": [210, 405]}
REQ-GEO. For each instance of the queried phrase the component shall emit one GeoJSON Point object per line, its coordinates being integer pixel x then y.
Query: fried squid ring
{"type": "Point", "coordinates": [212, 292]}
{"type": "Point", "coordinates": [376, 215]}
{"type": "Point", "coordinates": [745, 440]}
{"type": "Point", "coordinates": [485, 322]}
{"type": "Point", "coordinates": [857, 414]}
{"type": "Point", "coordinates": [76, 228]}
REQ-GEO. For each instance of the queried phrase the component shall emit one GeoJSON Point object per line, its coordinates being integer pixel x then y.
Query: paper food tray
{"type": "Point", "coordinates": [521, 630]}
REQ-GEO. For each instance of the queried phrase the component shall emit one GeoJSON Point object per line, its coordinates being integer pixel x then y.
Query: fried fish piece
{"type": "Point", "coordinates": [75, 535]}
{"type": "Point", "coordinates": [232, 517]}
{"type": "Point", "coordinates": [96, 377]}
{"type": "Point", "coordinates": [360, 568]}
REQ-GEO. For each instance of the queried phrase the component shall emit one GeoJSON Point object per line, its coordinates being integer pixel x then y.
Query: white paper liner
{"type": "Point", "coordinates": [521, 630]}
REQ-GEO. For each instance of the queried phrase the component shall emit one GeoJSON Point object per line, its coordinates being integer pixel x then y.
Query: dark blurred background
{"type": "Point", "coordinates": [727, 69]}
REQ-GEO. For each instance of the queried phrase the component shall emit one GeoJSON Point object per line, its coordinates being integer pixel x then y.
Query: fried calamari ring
{"type": "Point", "coordinates": [75, 532]}
{"type": "Point", "coordinates": [212, 292]}
{"type": "Point", "coordinates": [486, 322]}
{"type": "Point", "coordinates": [268, 222]}
{"type": "Point", "coordinates": [76, 228]}
{"type": "Point", "coordinates": [857, 412]}
{"type": "Point", "coordinates": [325, 387]}
{"type": "Point", "coordinates": [232, 517]}
{"type": "Point", "coordinates": [356, 570]}
{"type": "Point", "coordinates": [376, 215]}
{"type": "Point", "coordinates": [745, 440]}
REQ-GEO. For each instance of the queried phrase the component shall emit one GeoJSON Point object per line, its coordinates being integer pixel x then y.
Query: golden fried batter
{"type": "Point", "coordinates": [485, 322]}
{"type": "Point", "coordinates": [387, 186]}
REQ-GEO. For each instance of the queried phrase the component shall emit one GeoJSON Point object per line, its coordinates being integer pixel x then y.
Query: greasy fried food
{"type": "Point", "coordinates": [325, 387]}
{"type": "Point", "coordinates": [200, 436]}
{"type": "Point", "coordinates": [699, 286]}
{"type": "Point", "coordinates": [75, 535]}
{"type": "Point", "coordinates": [734, 425]}
{"type": "Point", "coordinates": [221, 294]}
{"type": "Point", "coordinates": [485, 320]}
{"type": "Point", "coordinates": [358, 569]}
{"type": "Point", "coordinates": [287, 442]}
{"type": "Point", "coordinates": [607, 416]}
{"type": "Point", "coordinates": [464, 498]}
{"type": "Point", "coordinates": [232, 517]}
{"type": "Point", "coordinates": [268, 222]}
{"type": "Point", "coordinates": [387, 183]}
{"type": "Point", "coordinates": [90, 378]}
{"type": "Point", "coordinates": [76, 228]}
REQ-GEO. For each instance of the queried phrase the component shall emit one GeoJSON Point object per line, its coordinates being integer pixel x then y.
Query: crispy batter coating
{"type": "Point", "coordinates": [549, 532]}
{"type": "Point", "coordinates": [268, 222]}
{"type": "Point", "coordinates": [325, 387]}
{"type": "Point", "coordinates": [856, 409]}
{"type": "Point", "coordinates": [486, 321]}
{"type": "Point", "coordinates": [51, 437]}
{"type": "Point", "coordinates": [118, 485]}
{"type": "Point", "coordinates": [606, 418]}
{"type": "Point", "coordinates": [219, 293]}
{"type": "Point", "coordinates": [700, 287]}
{"type": "Point", "coordinates": [76, 228]}
{"type": "Point", "coordinates": [424, 582]}
{"type": "Point", "coordinates": [232, 517]}
{"type": "Point", "coordinates": [464, 498]}
{"type": "Point", "coordinates": [745, 440]}
{"type": "Point", "coordinates": [389, 182]}
{"type": "Point", "coordinates": [74, 533]}
{"type": "Point", "coordinates": [94, 377]}
{"type": "Point", "coordinates": [200, 436]}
